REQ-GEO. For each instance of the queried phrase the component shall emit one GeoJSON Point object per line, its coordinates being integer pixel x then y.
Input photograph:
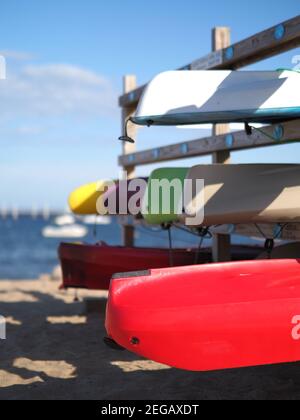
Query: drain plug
{"type": "Point", "coordinates": [135, 341]}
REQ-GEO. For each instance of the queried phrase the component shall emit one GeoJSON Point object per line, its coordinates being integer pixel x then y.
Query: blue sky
{"type": "Point", "coordinates": [59, 118]}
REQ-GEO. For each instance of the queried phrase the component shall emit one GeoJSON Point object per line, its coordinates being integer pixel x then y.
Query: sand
{"type": "Point", "coordinates": [54, 350]}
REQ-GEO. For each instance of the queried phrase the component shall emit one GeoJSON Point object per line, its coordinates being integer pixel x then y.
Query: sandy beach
{"type": "Point", "coordinates": [54, 350]}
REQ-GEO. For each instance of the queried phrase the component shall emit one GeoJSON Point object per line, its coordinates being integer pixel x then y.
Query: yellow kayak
{"type": "Point", "coordinates": [83, 201]}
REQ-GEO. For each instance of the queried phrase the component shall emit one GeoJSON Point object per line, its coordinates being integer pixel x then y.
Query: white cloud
{"type": "Point", "coordinates": [29, 130]}
{"type": "Point", "coordinates": [64, 73]}
{"type": "Point", "coordinates": [16, 55]}
{"type": "Point", "coordinates": [56, 90]}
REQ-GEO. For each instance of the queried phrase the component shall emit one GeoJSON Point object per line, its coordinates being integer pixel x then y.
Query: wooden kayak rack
{"type": "Point", "coordinates": [273, 41]}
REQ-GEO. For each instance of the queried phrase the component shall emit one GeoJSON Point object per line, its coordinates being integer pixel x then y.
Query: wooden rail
{"type": "Point", "coordinates": [274, 135]}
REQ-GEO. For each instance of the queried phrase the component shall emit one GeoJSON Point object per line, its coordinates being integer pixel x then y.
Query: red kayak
{"type": "Point", "coordinates": [92, 266]}
{"type": "Point", "coordinates": [209, 317]}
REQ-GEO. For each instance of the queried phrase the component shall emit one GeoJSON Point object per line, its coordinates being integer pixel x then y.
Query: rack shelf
{"type": "Point", "coordinates": [270, 42]}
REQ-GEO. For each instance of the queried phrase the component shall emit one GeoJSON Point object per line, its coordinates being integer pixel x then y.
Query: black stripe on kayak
{"type": "Point", "coordinates": [131, 274]}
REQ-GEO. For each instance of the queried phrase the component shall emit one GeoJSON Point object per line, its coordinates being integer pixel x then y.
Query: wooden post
{"type": "Point", "coordinates": [221, 243]}
{"type": "Point", "coordinates": [129, 84]}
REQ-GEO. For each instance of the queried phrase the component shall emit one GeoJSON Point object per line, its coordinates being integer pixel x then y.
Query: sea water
{"type": "Point", "coordinates": [26, 254]}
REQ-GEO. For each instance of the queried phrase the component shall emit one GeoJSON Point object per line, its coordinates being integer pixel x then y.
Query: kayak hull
{"type": "Point", "coordinates": [92, 266]}
{"type": "Point", "coordinates": [209, 97]}
{"type": "Point", "coordinates": [83, 200]}
{"type": "Point", "coordinates": [210, 317]}
{"type": "Point", "coordinates": [107, 197]}
{"type": "Point", "coordinates": [229, 191]}
{"type": "Point", "coordinates": [226, 198]}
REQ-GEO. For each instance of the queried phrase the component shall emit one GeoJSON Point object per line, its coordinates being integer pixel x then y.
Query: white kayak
{"type": "Point", "coordinates": [222, 96]}
{"type": "Point", "coordinates": [248, 193]}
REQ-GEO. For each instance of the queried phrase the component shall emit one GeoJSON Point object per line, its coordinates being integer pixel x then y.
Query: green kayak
{"type": "Point", "coordinates": [163, 198]}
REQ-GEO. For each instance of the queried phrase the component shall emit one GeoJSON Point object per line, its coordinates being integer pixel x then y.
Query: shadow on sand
{"type": "Point", "coordinates": [63, 357]}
